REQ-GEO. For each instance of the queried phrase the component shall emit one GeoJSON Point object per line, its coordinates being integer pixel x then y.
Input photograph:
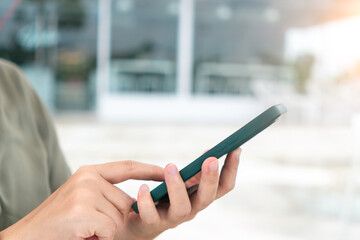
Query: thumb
{"type": "Point", "coordinates": [116, 172]}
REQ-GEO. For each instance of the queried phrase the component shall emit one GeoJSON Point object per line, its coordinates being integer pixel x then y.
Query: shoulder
{"type": "Point", "coordinates": [16, 93]}
{"type": "Point", "coordinates": [11, 76]}
{"type": "Point", "coordinates": [6, 65]}
{"type": "Point", "coordinates": [12, 80]}
{"type": "Point", "coordinates": [9, 71]}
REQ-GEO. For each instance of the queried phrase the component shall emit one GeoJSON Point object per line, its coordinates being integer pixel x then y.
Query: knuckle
{"type": "Point", "coordinates": [85, 176]}
{"type": "Point", "coordinates": [212, 181]}
{"type": "Point", "coordinates": [227, 187]}
{"type": "Point", "coordinates": [152, 222]}
{"type": "Point", "coordinates": [124, 205]}
{"type": "Point", "coordinates": [202, 203]}
{"type": "Point", "coordinates": [86, 168]}
{"type": "Point", "coordinates": [129, 202]}
{"type": "Point", "coordinates": [177, 186]}
{"type": "Point", "coordinates": [80, 194]}
{"type": "Point", "coordinates": [119, 220]}
{"type": "Point", "coordinates": [187, 210]}
{"type": "Point", "coordinates": [180, 215]}
{"type": "Point", "coordinates": [230, 186]}
{"type": "Point", "coordinates": [191, 217]}
{"type": "Point", "coordinates": [129, 165]}
{"type": "Point", "coordinates": [172, 224]}
{"type": "Point", "coordinates": [77, 211]}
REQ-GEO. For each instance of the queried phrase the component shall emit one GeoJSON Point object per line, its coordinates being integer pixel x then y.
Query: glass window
{"type": "Point", "coordinates": [54, 42]}
{"type": "Point", "coordinates": [143, 46]}
{"type": "Point", "coordinates": [236, 44]}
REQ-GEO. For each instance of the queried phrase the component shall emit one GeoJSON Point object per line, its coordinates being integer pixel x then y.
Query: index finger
{"type": "Point", "coordinates": [116, 172]}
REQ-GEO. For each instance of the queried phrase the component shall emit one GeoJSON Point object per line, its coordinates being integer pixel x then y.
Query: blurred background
{"type": "Point", "coordinates": [161, 81]}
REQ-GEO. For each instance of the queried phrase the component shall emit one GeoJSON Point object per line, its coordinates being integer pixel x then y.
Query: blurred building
{"type": "Point", "coordinates": [162, 60]}
{"type": "Point", "coordinates": [333, 49]}
{"type": "Point", "coordinates": [334, 45]}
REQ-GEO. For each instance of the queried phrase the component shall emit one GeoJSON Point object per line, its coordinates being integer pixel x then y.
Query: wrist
{"type": "Point", "coordinates": [9, 234]}
{"type": "Point", "coordinates": [18, 231]}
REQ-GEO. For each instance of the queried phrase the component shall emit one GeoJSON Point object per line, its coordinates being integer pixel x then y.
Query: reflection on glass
{"type": "Point", "coordinates": [236, 44]}
{"type": "Point", "coordinates": [54, 42]}
{"type": "Point", "coordinates": [143, 46]}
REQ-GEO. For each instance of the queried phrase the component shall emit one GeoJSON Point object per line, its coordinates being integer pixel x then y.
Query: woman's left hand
{"type": "Point", "coordinates": [153, 220]}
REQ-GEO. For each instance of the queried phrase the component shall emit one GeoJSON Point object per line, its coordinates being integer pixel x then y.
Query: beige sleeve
{"type": "Point", "coordinates": [59, 171]}
{"type": "Point", "coordinates": [32, 165]}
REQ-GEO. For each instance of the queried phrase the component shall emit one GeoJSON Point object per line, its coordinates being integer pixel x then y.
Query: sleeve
{"type": "Point", "coordinates": [26, 101]}
{"type": "Point", "coordinates": [59, 171]}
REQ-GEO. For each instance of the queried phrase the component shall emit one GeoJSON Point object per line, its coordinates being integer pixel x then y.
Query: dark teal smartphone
{"type": "Point", "coordinates": [228, 145]}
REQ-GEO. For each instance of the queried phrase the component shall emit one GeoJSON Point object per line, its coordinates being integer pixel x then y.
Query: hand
{"type": "Point", "coordinates": [87, 206]}
{"type": "Point", "coordinates": [152, 220]}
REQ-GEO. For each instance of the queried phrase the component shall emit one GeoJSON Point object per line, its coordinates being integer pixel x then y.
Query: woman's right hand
{"type": "Point", "coordinates": [86, 206]}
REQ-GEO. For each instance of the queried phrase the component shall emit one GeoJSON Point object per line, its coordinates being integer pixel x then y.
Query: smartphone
{"type": "Point", "coordinates": [228, 145]}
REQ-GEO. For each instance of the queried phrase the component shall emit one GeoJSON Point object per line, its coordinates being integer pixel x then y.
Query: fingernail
{"type": "Point", "coordinates": [144, 188]}
{"type": "Point", "coordinates": [214, 165]}
{"type": "Point", "coordinates": [172, 169]}
{"type": "Point", "coordinates": [239, 153]}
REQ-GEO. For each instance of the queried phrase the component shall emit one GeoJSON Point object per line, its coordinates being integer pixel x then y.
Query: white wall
{"type": "Point", "coordinates": [335, 45]}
